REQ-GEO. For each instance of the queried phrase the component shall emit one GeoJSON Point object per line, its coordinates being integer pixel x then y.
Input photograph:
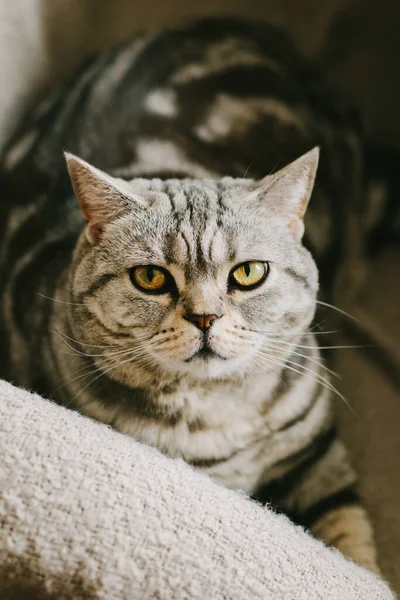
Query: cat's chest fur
{"type": "Point", "coordinates": [237, 432]}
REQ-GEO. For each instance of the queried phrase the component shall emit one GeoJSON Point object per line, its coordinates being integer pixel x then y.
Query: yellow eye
{"type": "Point", "coordinates": [249, 274]}
{"type": "Point", "coordinates": [150, 279]}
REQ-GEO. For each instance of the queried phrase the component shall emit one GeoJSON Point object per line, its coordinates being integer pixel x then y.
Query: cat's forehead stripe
{"type": "Point", "coordinates": [196, 227]}
{"type": "Point", "coordinates": [205, 219]}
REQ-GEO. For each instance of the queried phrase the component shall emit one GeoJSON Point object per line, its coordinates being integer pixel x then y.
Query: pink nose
{"type": "Point", "coordinates": [203, 322]}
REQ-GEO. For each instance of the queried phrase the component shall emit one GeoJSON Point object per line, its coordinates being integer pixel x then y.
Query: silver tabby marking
{"type": "Point", "coordinates": [228, 377]}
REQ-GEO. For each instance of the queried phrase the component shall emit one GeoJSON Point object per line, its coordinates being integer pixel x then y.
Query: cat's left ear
{"type": "Point", "coordinates": [289, 190]}
{"type": "Point", "coordinates": [102, 198]}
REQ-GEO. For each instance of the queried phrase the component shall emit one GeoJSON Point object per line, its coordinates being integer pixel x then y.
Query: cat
{"type": "Point", "coordinates": [156, 276]}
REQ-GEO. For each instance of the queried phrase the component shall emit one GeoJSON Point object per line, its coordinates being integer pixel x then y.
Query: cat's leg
{"type": "Point", "coordinates": [332, 510]}
{"type": "Point", "coordinates": [319, 493]}
{"type": "Point", "coordinates": [346, 526]}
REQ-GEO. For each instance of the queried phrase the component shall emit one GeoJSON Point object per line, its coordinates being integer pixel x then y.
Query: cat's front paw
{"type": "Point", "coordinates": [348, 529]}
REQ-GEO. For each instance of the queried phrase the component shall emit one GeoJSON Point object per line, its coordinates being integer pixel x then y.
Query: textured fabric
{"type": "Point", "coordinates": [86, 512]}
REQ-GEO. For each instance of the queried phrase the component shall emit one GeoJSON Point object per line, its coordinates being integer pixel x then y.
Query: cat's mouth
{"type": "Point", "coordinates": [205, 353]}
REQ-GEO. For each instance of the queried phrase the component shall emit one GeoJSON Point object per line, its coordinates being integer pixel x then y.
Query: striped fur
{"type": "Point", "coordinates": [181, 126]}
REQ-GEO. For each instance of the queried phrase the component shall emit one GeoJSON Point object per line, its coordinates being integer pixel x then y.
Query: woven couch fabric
{"type": "Point", "coordinates": [86, 512]}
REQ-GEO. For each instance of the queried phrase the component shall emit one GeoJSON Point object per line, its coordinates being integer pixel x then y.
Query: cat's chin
{"type": "Point", "coordinates": [201, 367]}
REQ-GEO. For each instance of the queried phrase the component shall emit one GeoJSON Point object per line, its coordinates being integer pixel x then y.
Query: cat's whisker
{"type": "Point", "coordinates": [320, 364]}
{"type": "Point", "coordinates": [315, 326]}
{"type": "Point", "coordinates": [333, 347]}
{"type": "Point", "coordinates": [263, 332]}
{"type": "Point", "coordinates": [317, 347]}
{"type": "Point", "coordinates": [76, 351]}
{"type": "Point", "coordinates": [136, 350]}
{"type": "Point", "coordinates": [273, 335]}
{"type": "Point", "coordinates": [326, 381]}
{"type": "Point", "coordinates": [113, 364]}
{"type": "Point", "coordinates": [89, 368]}
{"type": "Point", "coordinates": [309, 373]}
{"type": "Point", "coordinates": [313, 360]}
{"type": "Point", "coordinates": [314, 376]}
{"type": "Point", "coordinates": [247, 170]}
{"type": "Point", "coordinates": [89, 372]}
{"type": "Point", "coordinates": [132, 352]}
{"type": "Point", "coordinates": [82, 343]}
{"type": "Point", "coordinates": [285, 364]}
{"type": "Point", "coordinates": [60, 301]}
{"type": "Point", "coordinates": [121, 351]}
{"type": "Point", "coordinates": [337, 309]}
{"type": "Point", "coordinates": [130, 359]}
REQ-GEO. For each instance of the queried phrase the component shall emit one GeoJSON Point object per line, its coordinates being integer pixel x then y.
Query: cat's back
{"type": "Point", "coordinates": [222, 91]}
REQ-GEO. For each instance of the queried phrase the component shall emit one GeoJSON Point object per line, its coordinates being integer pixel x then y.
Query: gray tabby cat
{"type": "Point", "coordinates": [177, 304]}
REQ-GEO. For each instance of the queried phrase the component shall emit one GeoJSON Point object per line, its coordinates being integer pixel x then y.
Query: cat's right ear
{"type": "Point", "coordinates": [289, 190]}
{"type": "Point", "coordinates": [101, 197]}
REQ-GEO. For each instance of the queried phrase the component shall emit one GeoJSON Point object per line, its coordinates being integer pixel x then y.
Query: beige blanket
{"type": "Point", "coordinates": [86, 512]}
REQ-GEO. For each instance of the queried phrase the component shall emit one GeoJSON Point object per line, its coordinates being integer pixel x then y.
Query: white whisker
{"type": "Point", "coordinates": [94, 369]}
{"type": "Point", "coordinates": [130, 359]}
{"type": "Point", "coordinates": [60, 301]}
{"type": "Point", "coordinates": [315, 376]}
{"type": "Point", "coordinates": [76, 351]}
{"type": "Point", "coordinates": [339, 310]}
{"type": "Point", "coordinates": [313, 360]}
{"type": "Point", "coordinates": [83, 343]}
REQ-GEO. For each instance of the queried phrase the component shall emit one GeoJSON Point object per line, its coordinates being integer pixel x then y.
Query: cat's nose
{"type": "Point", "coordinates": [203, 322]}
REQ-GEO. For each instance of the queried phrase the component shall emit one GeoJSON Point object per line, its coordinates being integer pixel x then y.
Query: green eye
{"type": "Point", "coordinates": [249, 275]}
{"type": "Point", "coordinates": [150, 279]}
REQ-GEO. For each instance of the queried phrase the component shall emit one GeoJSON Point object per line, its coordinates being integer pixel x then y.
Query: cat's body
{"type": "Point", "coordinates": [217, 99]}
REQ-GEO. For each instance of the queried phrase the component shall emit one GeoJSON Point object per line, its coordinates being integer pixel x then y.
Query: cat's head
{"type": "Point", "coordinates": [196, 277]}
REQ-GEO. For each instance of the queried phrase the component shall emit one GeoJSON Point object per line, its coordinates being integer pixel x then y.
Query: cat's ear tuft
{"type": "Point", "coordinates": [289, 190]}
{"type": "Point", "coordinates": [100, 196]}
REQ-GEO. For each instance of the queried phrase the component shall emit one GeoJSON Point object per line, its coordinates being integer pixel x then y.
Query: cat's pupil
{"type": "Point", "coordinates": [247, 269]}
{"type": "Point", "coordinates": [150, 274]}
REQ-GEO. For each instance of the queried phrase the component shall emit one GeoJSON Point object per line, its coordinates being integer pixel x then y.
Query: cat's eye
{"type": "Point", "coordinates": [249, 275]}
{"type": "Point", "coordinates": [151, 279]}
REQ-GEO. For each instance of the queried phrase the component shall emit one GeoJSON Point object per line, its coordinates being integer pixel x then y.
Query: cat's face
{"type": "Point", "coordinates": [194, 277]}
